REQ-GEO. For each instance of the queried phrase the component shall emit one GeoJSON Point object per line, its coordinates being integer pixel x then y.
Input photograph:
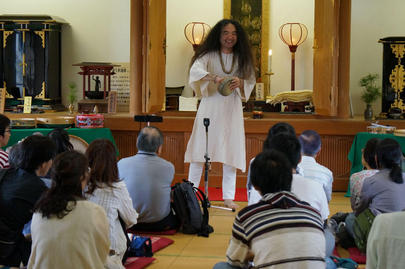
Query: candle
{"type": "Point", "coordinates": [269, 64]}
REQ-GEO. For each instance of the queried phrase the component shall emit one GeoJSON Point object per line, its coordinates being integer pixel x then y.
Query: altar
{"type": "Point", "coordinates": [87, 135]}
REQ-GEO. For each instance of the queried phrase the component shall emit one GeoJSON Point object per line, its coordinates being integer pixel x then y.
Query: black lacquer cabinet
{"type": "Point", "coordinates": [30, 57]}
{"type": "Point", "coordinates": [393, 79]}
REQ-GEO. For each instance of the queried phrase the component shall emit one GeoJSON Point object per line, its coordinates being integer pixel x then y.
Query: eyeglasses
{"type": "Point", "coordinates": [7, 130]}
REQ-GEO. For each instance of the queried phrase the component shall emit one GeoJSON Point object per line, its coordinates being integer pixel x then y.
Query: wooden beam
{"type": "Point", "coordinates": [136, 58]}
{"type": "Point", "coordinates": [344, 59]}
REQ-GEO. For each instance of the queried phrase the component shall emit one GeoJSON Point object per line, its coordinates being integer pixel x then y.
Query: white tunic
{"type": "Point", "coordinates": [226, 133]}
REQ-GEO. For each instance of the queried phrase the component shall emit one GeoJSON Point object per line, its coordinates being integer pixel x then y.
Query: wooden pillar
{"type": "Point", "coordinates": [136, 59]}
{"type": "Point", "coordinates": [88, 82]}
{"type": "Point", "coordinates": [344, 59]}
{"type": "Point", "coordinates": [326, 57]}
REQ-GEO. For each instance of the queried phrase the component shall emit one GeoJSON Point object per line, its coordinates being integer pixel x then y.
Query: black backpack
{"type": "Point", "coordinates": [187, 209]}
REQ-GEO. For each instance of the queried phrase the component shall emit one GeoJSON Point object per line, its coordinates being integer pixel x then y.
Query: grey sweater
{"type": "Point", "coordinates": [381, 194]}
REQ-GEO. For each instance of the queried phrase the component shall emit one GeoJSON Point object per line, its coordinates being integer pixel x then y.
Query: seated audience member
{"type": "Point", "coordinates": [279, 230]}
{"type": "Point", "coordinates": [382, 192]}
{"type": "Point", "coordinates": [148, 178]}
{"type": "Point", "coordinates": [13, 155]}
{"type": "Point", "coordinates": [61, 139]}
{"type": "Point", "coordinates": [310, 147]}
{"type": "Point", "coordinates": [357, 179]}
{"type": "Point", "coordinates": [386, 242]}
{"type": "Point", "coordinates": [20, 189]}
{"type": "Point", "coordinates": [4, 137]}
{"type": "Point", "coordinates": [307, 190]}
{"type": "Point", "coordinates": [67, 230]}
{"type": "Point", "coordinates": [106, 190]}
{"type": "Point", "coordinates": [58, 137]}
{"type": "Point", "coordinates": [280, 127]}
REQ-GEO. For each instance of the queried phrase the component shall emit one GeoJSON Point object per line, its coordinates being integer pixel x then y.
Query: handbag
{"type": "Point", "coordinates": [361, 229]}
{"type": "Point", "coordinates": [344, 262]}
{"type": "Point", "coordinates": [139, 246]}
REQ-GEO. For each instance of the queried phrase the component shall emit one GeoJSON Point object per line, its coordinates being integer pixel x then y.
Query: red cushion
{"type": "Point", "coordinates": [138, 262]}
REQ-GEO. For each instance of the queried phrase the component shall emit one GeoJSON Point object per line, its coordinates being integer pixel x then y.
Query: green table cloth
{"type": "Point", "coordinates": [87, 135]}
{"type": "Point", "coordinates": [359, 143]}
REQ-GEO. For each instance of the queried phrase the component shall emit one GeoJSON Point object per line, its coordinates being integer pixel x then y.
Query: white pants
{"type": "Point", "coordinates": [228, 178]}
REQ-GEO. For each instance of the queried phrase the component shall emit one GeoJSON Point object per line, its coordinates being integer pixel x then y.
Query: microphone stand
{"type": "Point", "coordinates": [207, 164]}
{"type": "Point", "coordinates": [207, 167]}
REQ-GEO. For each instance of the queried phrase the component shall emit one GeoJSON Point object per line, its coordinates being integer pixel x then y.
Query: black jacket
{"type": "Point", "coordinates": [19, 191]}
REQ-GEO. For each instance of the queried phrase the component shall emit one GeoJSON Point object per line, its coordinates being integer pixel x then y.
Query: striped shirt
{"type": "Point", "coordinates": [280, 231]}
{"type": "Point", "coordinates": [4, 159]}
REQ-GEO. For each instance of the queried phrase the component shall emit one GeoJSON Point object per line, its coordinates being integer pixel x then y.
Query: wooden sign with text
{"type": "Point", "coordinates": [260, 91]}
{"type": "Point", "coordinates": [112, 102]}
{"type": "Point", "coordinates": [27, 104]}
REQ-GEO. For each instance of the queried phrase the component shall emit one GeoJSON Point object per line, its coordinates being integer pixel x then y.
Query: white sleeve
{"type": "Point", "coordinates": [329, 187]}
{"type": "Point", "coordinates": [198, 70]}
{"type": "Point", "coordinates": [324, 206]}
{"type": "Point", "coordinates": [126, 209]}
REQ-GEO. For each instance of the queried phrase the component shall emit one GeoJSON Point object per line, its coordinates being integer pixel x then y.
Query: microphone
{"type": "Point", "coordinates": [206, 123]}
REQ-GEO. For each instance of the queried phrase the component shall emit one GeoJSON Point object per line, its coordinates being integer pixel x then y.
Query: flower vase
{"type": "Point", "coordinates": [368, 113]}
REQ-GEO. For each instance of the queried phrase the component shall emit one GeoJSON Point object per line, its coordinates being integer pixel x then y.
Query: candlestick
{"type": "Point", "coordinates": [269, 64]}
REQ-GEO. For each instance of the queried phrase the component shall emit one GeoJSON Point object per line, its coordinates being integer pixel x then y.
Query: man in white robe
{"type": "Point", "coordinates": [226, 134]}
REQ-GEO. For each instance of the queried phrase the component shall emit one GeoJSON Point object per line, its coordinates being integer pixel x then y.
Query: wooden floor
{"type": "Point", "coordinates": [191, 251]}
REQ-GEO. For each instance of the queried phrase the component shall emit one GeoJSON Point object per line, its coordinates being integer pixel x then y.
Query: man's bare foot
{"type": "Point", "coordinates": [230, 204]}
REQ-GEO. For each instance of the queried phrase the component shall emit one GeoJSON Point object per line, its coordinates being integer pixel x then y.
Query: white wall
{"type": "Point", "coordinates": [371, 20]}
{"type": "Point", "coordinates": [179, 51]}
{"type": "Point", "coordinates": [97, 30]}
{"type": "Point", "coordinates": [283, 11]}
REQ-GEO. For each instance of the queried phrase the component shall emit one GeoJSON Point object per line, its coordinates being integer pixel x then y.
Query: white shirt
{"type": "Point", "coordinates": [386, 242]}
{"type": "Point", "coordinates": [226, 132]}
{"type": "Point", "coordinates": [313, 170]}
{"type": "Point", "coordinates": [311, 192]}
{"type": "Point", "coordinates": [116, 201]}
{"type": "Point", "coordinates": [306, 190]}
